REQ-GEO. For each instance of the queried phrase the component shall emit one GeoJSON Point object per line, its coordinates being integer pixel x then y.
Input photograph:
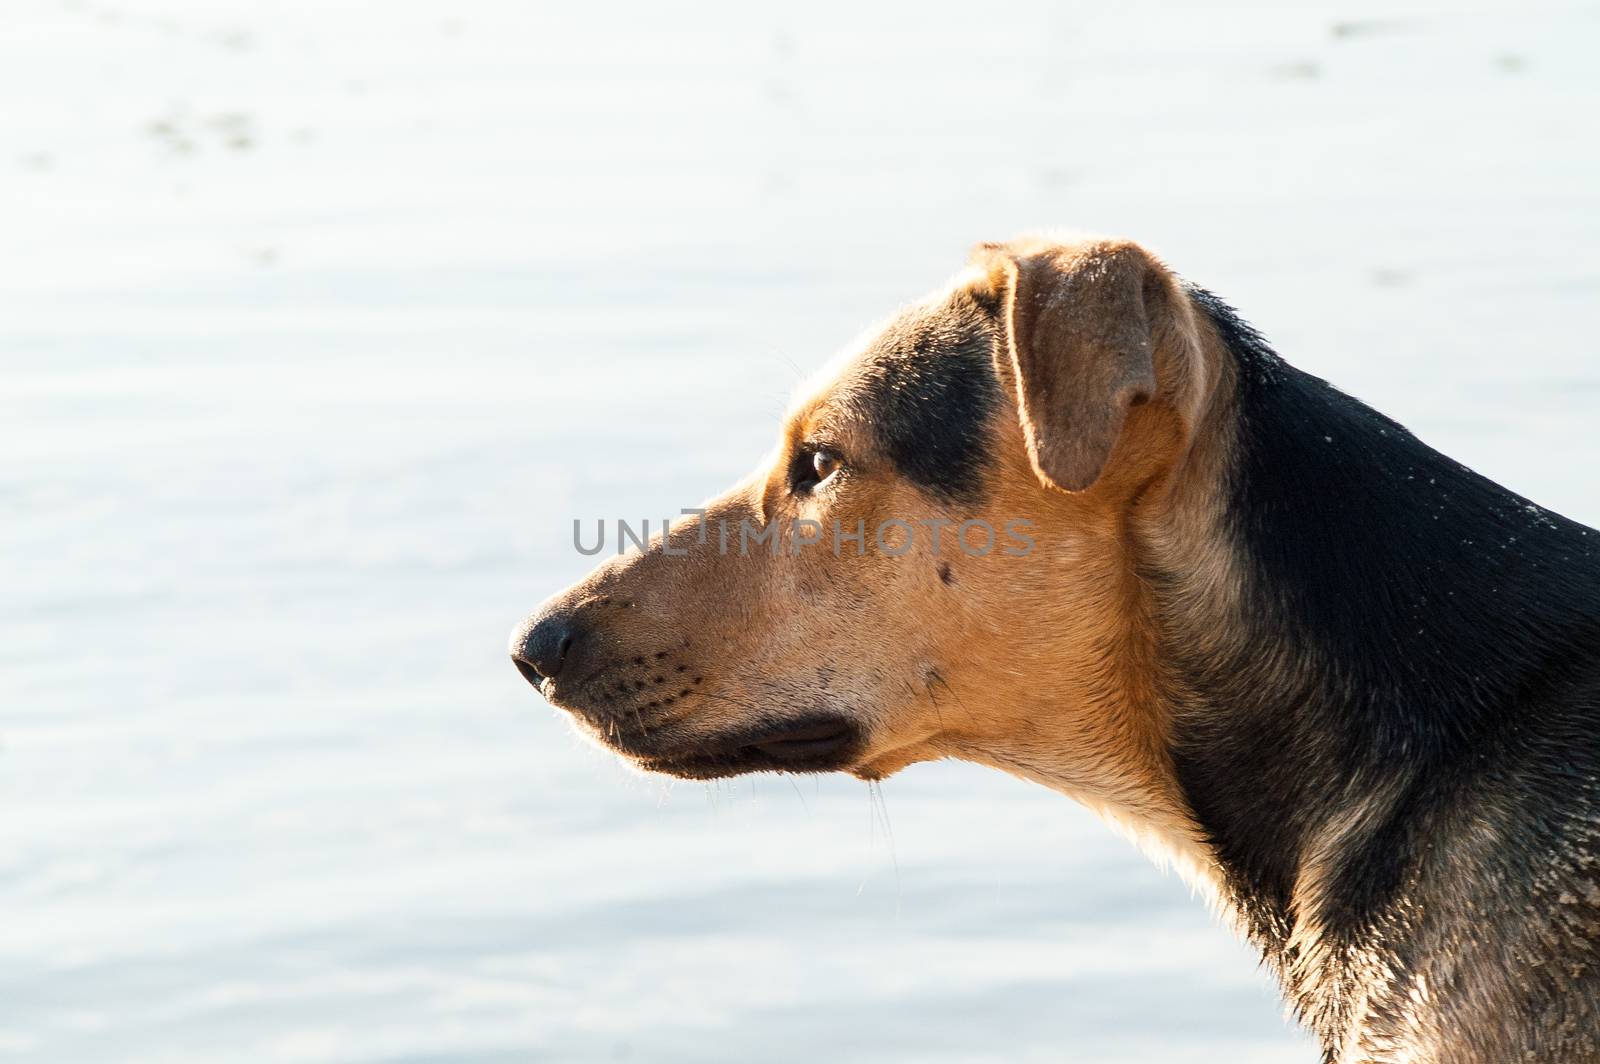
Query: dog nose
{"type": "Point", "coordinates": [543, 644]}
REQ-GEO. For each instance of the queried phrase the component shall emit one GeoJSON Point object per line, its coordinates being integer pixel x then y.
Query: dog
{"type": "Point", "coordinates": [1348, 686]}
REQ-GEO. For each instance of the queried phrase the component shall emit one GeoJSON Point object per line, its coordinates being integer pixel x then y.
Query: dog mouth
{"type": "Point", "coordinates": [812, 744]}
{"type": "Point", "coordinates": [660, 736]}
{"type": "Point", "coordinates": [805, 741]}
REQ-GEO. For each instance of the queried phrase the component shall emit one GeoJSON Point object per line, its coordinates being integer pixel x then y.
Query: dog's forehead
{"type": "Point", "coordinates": [922, 386]}
{"type": "Point", "coordinates": [913, 342]}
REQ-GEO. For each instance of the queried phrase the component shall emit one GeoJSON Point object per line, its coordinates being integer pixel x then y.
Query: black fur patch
{"type": "Point", "coordinates": [1414, 629]}
{"type": "Point", "coordinates": [929, 390]}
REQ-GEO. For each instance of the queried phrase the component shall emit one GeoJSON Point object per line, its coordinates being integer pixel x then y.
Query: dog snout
{"type": "Point", "coordinates": [544, 644]}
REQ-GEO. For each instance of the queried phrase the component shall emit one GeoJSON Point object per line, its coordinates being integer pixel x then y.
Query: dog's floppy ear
{"type": "Point", "coordinates": [1083, 324]}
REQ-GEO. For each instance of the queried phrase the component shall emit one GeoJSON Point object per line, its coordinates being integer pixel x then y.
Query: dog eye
{"type": "Point", "coordinates": [824, 464]}
{"type": "Point", "coordinates": [811, 467]}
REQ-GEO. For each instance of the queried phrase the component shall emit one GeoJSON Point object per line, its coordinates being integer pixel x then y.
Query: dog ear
{"type": "Point", "coordinates": [1083, 324]}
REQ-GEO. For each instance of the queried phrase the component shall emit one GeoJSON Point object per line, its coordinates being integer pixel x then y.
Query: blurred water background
{"type": "Point", "coordinates": [320, 322]}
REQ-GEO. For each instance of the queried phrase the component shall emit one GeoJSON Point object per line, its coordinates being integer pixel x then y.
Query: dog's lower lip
{"type": "Point", "coordinates": [805, 742]}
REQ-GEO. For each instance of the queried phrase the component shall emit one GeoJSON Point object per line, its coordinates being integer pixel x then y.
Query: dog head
{"type": "Point", "coordinates": [934, 561]}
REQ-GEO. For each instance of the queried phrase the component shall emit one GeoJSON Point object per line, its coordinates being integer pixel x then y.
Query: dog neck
{"type": "Point", "coordinates": [1352, 628]}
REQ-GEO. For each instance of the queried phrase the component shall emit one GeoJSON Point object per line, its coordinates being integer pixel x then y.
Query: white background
{"type": "Point", "coordinates": [320, 322]}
